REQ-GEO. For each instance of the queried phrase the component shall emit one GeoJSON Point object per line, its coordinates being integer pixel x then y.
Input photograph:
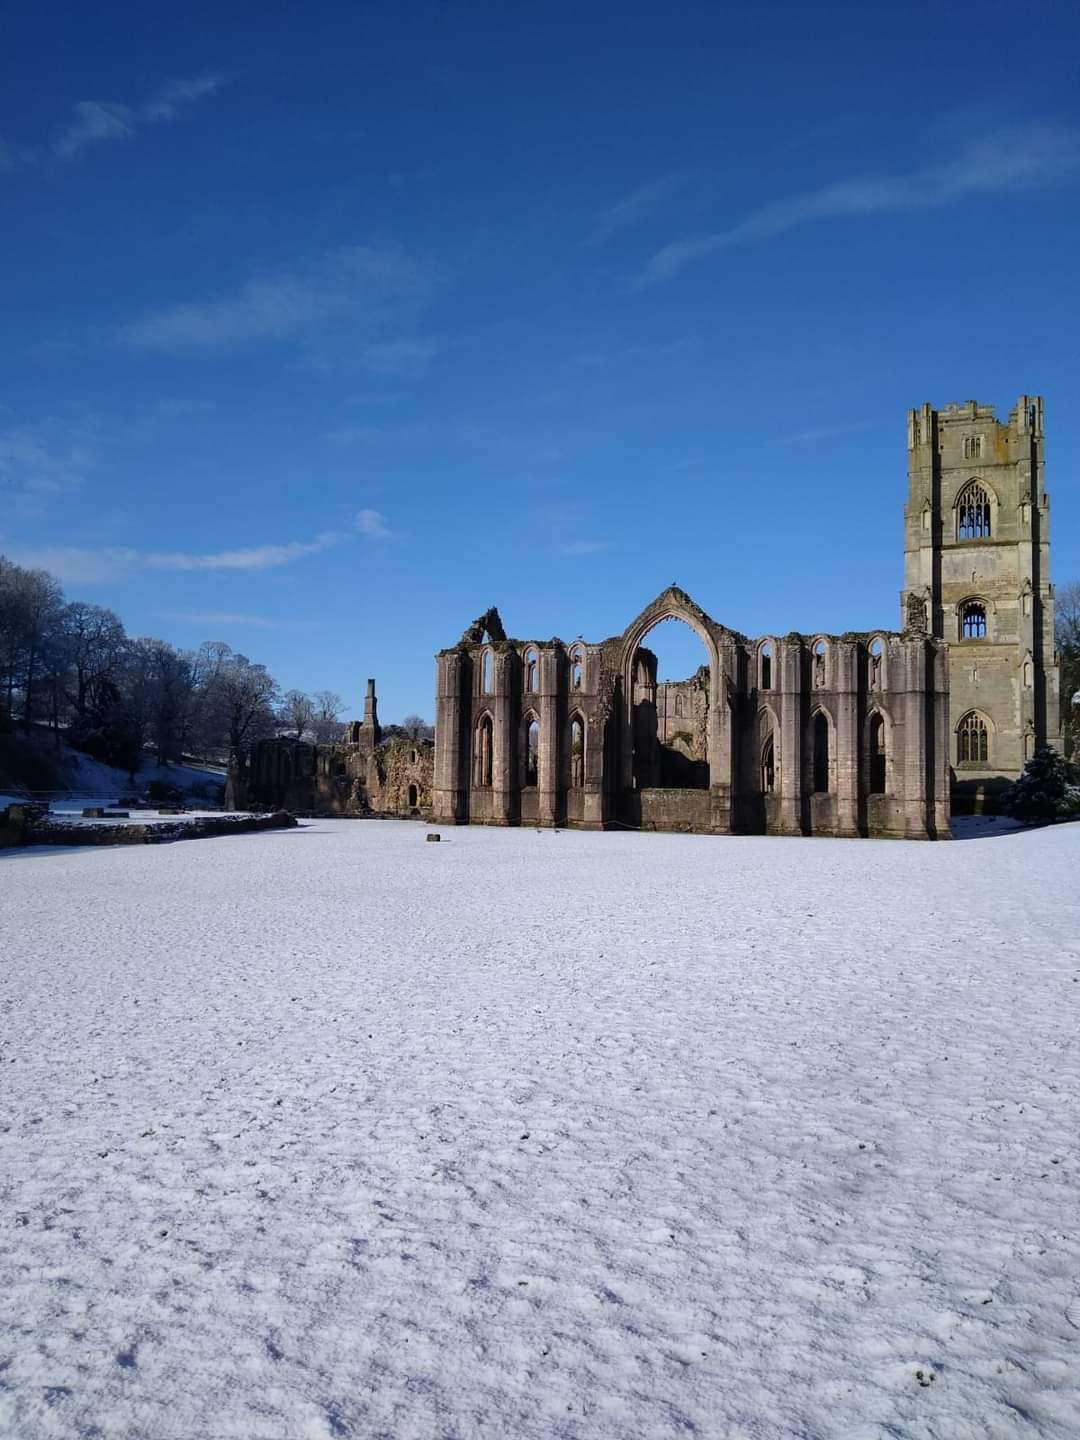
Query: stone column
{"type": "Point", "coordinates": [938, 666]}
{"type": "Point", "coordinates": [721, 739]}
{"type": "Point", "coordinates": [915, 739]}
{"type": "Point", "coordinates": [452, 759]}
{"type": "Point", "coordinates": [788, 671]}
{"type": "Point", "coordinates": [548, 767]}
{"type": "Point", "coordinates": [504, 766]}
{"type": "Point", "coordinates": [846, 690]}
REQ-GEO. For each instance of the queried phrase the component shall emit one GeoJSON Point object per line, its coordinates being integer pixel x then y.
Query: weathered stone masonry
{"type": "Point", "coordinates": [803, 735]}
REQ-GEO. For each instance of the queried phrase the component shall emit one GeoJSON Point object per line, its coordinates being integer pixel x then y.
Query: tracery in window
{"type": "Point", "coordinates": [973, 447]}
{"type": "Point", "coordinates": [972, 620]}
{"type": "Point", "coordinates": [973, 513]}
{"type": "Point", "coordinates": [972, 740]}
{"type": "Point", "coordinates": [768, 764]}
{"type": "Point", "coordinates": [482, 749]}
{"type": "Point", "coordinates": [577, 753]}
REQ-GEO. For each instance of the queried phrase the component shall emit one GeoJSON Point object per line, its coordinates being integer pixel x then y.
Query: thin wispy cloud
{"type": "Point", "coordinates": [331, 304]}
{"type": "Point", "coordinates": [632, 209]}
{"type": "Point", "coordinates": [228, 618]}
{"type": "Point", "coordinates": [828, 432]}
{"type": "Point", "coordinates": [372, 526]}
{"type": "Point", "coordinates": [94, 121]}
{"type": "Point", "coordinates": [405, 357]}
{"type": "Point", "coordinates": [13, 156]}
{"type": "Point", "coordinates": [44, 460]}
{"type": "Point", "coordinates": [576, 548]}
{"type": "Point", "coordinates": [74, 563]}
{"type": "Point", "coordinates": [1024, 157]}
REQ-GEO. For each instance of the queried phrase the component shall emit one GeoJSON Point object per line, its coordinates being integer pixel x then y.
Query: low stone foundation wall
{"type": "Point", "coordinates": [19, 827]}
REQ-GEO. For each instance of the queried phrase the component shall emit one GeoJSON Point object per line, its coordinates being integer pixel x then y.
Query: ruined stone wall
{"type": "Point", "coordinates": [834, 735]}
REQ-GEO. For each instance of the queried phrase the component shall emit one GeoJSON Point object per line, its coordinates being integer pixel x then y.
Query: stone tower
{"type": "Point", "coordinates": [977, 575]}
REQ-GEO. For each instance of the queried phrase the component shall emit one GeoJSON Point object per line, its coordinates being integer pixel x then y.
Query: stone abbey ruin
{"type": "Point", "coordinates": [869, 733]}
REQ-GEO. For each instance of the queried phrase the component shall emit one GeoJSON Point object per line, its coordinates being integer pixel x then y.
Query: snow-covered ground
{"type": "Point", "coordinates": [332, 1132]}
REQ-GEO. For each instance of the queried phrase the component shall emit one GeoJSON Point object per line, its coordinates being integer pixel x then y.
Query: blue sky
{"type": "Point", "coordinates": [327, 327]}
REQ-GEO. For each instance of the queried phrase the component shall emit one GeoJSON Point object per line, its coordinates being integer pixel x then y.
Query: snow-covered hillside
{"type": "Point", "coordinates": [334, 1132]}
{"type": "Point", "coordinates": [87, 781]}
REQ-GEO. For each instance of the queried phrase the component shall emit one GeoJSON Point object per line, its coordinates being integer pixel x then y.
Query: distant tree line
{"type": "Point", "coordinates": [73, 667]}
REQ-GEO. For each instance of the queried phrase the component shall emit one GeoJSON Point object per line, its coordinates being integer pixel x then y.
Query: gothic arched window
{"type": "Point", "coordinates": [577, 753]}
{"type": "Point", "coordinates": [819, 664]}
{"type": "Point", "coordinates": [820, 738]}
{"type": "Point", "coordinates": [877, 755]}
{"type": "Point", "coordinates": [972, 740]}
{"type": "Point", "coordinates": [482, 748]}
{"type": "Point", "coordinates": [575, 668]}
{"type": "Point", "coordinates": [532, 751]}
{"type": "Point", "coordinates": [876, 649]}
{"type": "Point", "coordinates": [973, 620]}
{"type": "Point", "coordinates": [487, 670]}
{"type": "Point", "coordinates": [973, 513]}
{"type": "Point", "coordinates": [768, 764]}
{"type": "Point", "coordinates": [765, 672]}
{"type": "Point", "coordinates": [530, 671]}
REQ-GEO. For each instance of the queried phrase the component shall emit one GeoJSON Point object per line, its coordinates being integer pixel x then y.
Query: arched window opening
{"type": "Point", "coordinates": [575, 668]}
{"type": "Point", "coordinates": [670, 741]}
{"type": "Point", "coordinates": [972, 740]}
{"type": "Point", "coordinates": [532, 753]}
{"type": "Point", "coordinates": [482, 753]}
{"type": "Point", "coordinates": [876, 650]}
{"type": "Point", "coordinates": [413, 797]}
{"type": "Point", "coordinates": [487, 670]}
{"type": "Point", "coordinates": [819, 664]}
{"type": "Point", "coordinates": [577, 753]}
{"type": "Point", "coordinates": [765, 678]}
{"type": "Point", "coordinates": [973, 513]}
{"type": "Point", "coordinates": [973, 620]}
{"type": "Point", "coordinates": [877, 755]}
{"type": "Point", "coordinates": [768, 765]}
{"type": "Point", "coordinates": [530, 671]}
{"type": "Point", "coordinates": [821, 754]}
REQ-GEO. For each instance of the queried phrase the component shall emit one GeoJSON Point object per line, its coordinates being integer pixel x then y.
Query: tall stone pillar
{"type": "Point", "coordinates": [789, 670]}
{"type": "Point", "coordinates": [548, 766]}
{"type": "Point", "coordinates": [721, 741]}
{"type": "Point", "coordinates": [938, 664]}
{"type": "Point", "coordinates": [846, 689]}
{"type": "Point", "coordinates": [452, 755]}
{"type": "Point", "coordinates": [915, 739]}
{"type": "Point", "coordinates": [504, 780]}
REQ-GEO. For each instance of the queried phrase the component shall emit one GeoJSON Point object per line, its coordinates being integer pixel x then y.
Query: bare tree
{"type": "Point", "coordinates": [328, 708]}
{"type": "Point", "coordinates": [1067, 640]}
{"type": "Point", "coordinates": [241, 703]}
{"type": "Point", "coordinates": [95, 641]}
{"type": "Point", "coordinates": [297, 712]}
{"type": "Point", "coordinates": [417, 728]}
